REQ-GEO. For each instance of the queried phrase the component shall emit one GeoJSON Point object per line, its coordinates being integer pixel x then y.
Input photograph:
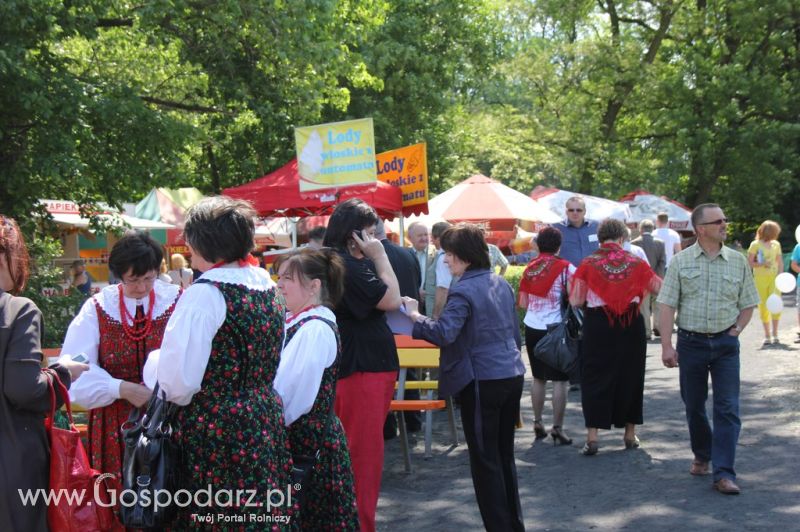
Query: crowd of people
{"type": "Point", "coordinates": [269, 376]}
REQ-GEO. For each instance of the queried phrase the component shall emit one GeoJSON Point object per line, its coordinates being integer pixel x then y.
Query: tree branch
{"type": "Point", "coordinates": [192, 108]}
{"type": "Point", "coordinates": [114, 22]}
{"type": "Point", "coordinates": [638, 22]}
{"type": "Point", "coordinates": [652, 136]}
{"type": "Point", "coordinates": [614, 18]}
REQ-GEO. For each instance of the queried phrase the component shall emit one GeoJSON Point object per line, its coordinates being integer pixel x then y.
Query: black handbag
{"type": "Point", "coordinates": [151, 465]}
{"type": "Point", "coordinates": [303, 464]}
{"type": "Point", "coordinates": [559, 347]}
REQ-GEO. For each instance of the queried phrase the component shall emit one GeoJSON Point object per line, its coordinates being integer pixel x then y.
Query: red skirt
{"type": "Point", "coordinates": [106, 448]}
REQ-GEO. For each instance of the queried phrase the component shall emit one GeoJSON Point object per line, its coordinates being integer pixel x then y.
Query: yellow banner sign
{"type": "Point", "coordinates": [406, 168]}
{"type": "Point", "coordinates": [335, 155]}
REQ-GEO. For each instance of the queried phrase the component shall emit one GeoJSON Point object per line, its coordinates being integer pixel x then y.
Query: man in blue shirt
{"type": "Point", "coordinates": [578, 235]}
{"type": "Point", "coordinates": [578, 238]}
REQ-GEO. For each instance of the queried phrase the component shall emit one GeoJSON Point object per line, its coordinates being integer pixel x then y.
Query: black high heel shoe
{"type": "Point", "coordinates": [589, 448]}
{"type": "Point", "coordinates": [538, 430]}
{"type": "Point", "coordinates": [632, 443]}
{"type": "Point", "coordinates": [559, 438]}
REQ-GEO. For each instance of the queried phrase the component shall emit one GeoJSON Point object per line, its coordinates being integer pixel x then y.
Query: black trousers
{"type": "Point", "coordinates": [612, 373]}
{"type": "Point", "coordinates": [494, 473]}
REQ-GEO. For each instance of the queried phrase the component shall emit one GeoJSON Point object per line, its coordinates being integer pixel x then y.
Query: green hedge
{"type": "Point", "coordinates": [513, 275]}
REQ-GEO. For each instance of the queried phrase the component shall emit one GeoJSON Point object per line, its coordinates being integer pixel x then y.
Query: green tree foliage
{"type": "Point", "coordinates": [270, 66]}
{"type": "Point", "coordinates": [696, 100]}
{"type": "Point", "coordinates": [430, 56]}
{"type": "Point", "coordinates": [65, 132]}
{"type": "Point", "coordinates": [44, 289]}
{"type": "Point", "coordinates": [102, 100]}
{"type": "Point", "coordinates": [733, 105]}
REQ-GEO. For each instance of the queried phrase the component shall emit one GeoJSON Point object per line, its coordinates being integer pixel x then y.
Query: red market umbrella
{"type": "Point", "coordinates": [490, 204]}
{"type": "Point", "coordinates": [481, 198]}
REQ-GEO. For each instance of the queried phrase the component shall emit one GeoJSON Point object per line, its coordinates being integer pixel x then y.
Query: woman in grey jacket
{"type": "Point", "coordinates": [480, 362]}
{"type": "Point", "coordinates": [25, 398]}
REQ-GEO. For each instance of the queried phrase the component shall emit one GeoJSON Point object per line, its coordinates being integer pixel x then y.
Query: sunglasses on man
{"type": "Point", "coordinates": [715, 222]}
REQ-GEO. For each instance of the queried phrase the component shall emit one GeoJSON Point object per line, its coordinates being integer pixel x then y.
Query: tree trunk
{"type": "Point", "coordinates": [216, 187]}
{"type": "Point", "coordinates": [624, 87]}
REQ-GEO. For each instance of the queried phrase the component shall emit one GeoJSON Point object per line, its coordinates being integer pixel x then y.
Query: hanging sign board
{"type": "Point", "coordinates": [406, 168]}
{"type": "Point", "coordinates": [335, 155]}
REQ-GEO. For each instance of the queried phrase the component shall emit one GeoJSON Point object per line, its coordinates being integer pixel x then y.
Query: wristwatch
{"type": "Point", "coordinates": [736, 328]}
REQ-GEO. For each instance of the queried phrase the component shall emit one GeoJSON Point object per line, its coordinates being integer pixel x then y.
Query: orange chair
{"type": "Point", "coordinates": [419, 354]}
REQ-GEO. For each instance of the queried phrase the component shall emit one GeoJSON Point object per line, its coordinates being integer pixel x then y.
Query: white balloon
{"type": "Point", "coordinates": [774, 304]}
{"type": "Point", "coordinates": [797, 234]}
{"type": "Point", "coordinates": [785, 282]}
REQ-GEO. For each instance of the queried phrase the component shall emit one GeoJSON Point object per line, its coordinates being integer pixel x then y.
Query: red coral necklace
{"type": "Point", "coordinates": [141, 326]}
{"type": "Point", "coordinates": [294, 315]}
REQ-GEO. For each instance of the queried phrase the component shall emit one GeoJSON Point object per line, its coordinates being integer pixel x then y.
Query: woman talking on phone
{"type": "Point", "coordinates": [369, 363]}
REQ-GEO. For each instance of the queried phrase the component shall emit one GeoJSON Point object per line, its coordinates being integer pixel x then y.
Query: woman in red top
{"type": "Point", "coordinates": [612, 283]}
{"type": "Point", "coordinates": [116, 329]}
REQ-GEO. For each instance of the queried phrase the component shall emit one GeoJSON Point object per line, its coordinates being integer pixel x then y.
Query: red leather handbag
{"type": "Point", "coordinates": [71, 475]}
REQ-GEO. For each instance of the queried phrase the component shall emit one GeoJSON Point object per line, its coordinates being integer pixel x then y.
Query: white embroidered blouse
{"type": "Point", "coordinates": [303, 361]}
{"type": "Point", "coordinates": [97, 388]}
{"type": "Point", "coordinates": [180, 364]}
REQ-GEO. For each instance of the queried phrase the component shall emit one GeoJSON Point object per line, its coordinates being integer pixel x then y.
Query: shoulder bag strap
{"type": "Point", "coordinates": [564, 293]}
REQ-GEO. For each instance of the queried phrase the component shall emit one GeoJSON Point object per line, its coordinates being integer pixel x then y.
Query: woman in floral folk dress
{"type": "Point", "coordinates": [312, 283]}
{"type": "Point", "coordinates": [116, 329]}
{"type": "Point", "coordinates": [219, 357]}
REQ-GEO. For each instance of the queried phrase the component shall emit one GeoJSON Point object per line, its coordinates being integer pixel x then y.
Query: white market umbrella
{"type": "Point", "coordinates": [646, 206]}
{"type": "Point", "coordinates": [596, 208]}
{"type": "Point", "coordinates": [275, 232]}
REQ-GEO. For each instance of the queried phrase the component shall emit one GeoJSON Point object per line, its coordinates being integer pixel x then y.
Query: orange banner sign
{"type": "Point", "coordinates": [406, 168]}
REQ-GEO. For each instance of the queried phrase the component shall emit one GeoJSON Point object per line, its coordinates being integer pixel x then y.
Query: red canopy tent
{"type": "Point", "coordinates": [278, 194]}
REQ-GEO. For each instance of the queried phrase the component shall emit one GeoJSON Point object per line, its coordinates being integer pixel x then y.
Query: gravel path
{"type": "Point", "coordinates": [644, 489]}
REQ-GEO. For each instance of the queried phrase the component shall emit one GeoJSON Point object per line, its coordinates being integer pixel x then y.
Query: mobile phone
{"type": "Point", "coordinates": [80, 357]}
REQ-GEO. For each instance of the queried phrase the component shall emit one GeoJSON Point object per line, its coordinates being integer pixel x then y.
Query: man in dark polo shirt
{"type": "Point", "coordinates": [656, 255]}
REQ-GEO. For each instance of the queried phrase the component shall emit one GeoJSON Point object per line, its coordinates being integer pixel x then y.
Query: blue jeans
{"type": "Point", "coordinates": [697, 357]}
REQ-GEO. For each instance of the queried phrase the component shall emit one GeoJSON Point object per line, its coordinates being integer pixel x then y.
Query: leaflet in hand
{"type": "Point", "coordinates": [399, 322]}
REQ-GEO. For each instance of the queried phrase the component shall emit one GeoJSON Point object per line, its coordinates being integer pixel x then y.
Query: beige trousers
{"type": "Point", "coordinates": [650, 310]}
